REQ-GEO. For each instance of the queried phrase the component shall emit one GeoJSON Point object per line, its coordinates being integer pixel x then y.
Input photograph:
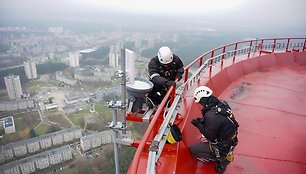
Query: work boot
{"type": "Point", "coordinates": [221, 165]}
{"type": "Point", "coordinates": [219, 168]}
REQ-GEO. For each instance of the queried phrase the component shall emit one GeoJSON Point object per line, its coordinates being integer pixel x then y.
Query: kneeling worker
{"type": "Point", "coordinates": [218, 126]}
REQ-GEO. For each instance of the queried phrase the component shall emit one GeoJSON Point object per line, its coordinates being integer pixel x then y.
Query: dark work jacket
{"type": "Point", "coordinates": [208, 103]}
{"type": "Point", "coordinates": [160, 74]}
{"type": "Point", "coordinates": [216, 126]}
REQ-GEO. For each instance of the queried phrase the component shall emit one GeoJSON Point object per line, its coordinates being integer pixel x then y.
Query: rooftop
{"type": "Point", "coordinates": [8, 121]}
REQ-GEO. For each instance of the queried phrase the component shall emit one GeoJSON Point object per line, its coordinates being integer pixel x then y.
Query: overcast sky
{"type": "Point", "coordinates": [215, 14]}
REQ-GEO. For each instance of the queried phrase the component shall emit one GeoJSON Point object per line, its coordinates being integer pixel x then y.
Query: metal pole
{"type": "Point", "coordinates": [223, 52]}
{"type": "Point", "coordinates": [287, 45]}
{"type": "Point", "coordinates": [261, 46]}
{"type": "Point", "coordinates": [114, 113]}
{"type": "Point", "coordinates": [274, 44]}
{"type": "Point", "coordinates": [115, 137]}
{"type": "Point", "coordinates": [256, 47]}
{"type": "Point", "coordinates": [123, 94]}
{"type": "Point", "coordinates": [116, 152]}
{"type": "Point", "coordinates": [235, 51]}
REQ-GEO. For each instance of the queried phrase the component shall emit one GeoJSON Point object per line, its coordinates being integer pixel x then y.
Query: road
{"type": "Point", "coordinates": [11, 67]}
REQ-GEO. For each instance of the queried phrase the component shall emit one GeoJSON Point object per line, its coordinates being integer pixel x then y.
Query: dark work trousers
{"type": "Point", "coordinates": [202, 150]}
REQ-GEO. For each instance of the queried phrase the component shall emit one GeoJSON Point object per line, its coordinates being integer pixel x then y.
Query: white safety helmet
{"type": "Point", "coordinates": [202, 91]}
{"type": "Point", "coordinates": [165, 55]}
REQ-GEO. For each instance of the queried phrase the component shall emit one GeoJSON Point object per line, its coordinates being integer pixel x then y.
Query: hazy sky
{"type": "Point", "coordinates": [212, 14]}
{"type": "Point", "coordinates": [181, 7]}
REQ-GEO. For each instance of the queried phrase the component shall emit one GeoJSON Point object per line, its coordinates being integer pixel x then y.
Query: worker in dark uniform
{"type": "Point", "coordinates": [164, 69]}
{"type": "Point", "coordinates": [218, 126]}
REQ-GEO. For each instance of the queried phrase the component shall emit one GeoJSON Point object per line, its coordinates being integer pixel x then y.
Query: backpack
{"type": "Point", "coordinates": [224, 109]}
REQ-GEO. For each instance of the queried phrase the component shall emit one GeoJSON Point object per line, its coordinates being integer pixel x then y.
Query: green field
{"type": "Point", "coordinates": [3, 96]}
{"type": "Point", "coordinates": [42, 129]}
{"type": "Point", "coordinates": [101, 107]}
{"type": "Point", "coordinates": [24, 122]}
{"type": "Point", "coordinates": [78, 117]}
{"type": "Point", "coordinates": [38, 83]}
{"type": "Point", "coordinates": [57, 117]}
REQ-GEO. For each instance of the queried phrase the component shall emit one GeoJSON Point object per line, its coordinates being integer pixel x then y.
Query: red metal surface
{"type": "Point", "coordinates": [133, 117]}
{"type": "Point", "coordinates": [270, 107]}
{"type": "Point", "coordinates": [268, 97]}
{"type": "Point", "coordinates": [152, 128]}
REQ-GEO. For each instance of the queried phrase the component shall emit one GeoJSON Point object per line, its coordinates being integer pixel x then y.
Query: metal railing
{"type": "Point", "coordinates": [246, 49]}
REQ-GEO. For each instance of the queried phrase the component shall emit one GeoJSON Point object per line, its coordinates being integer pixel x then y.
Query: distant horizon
{"type": "Point", "coordinates": [285, 18]}
{"type": "Point", "coordinates": [136, 26]}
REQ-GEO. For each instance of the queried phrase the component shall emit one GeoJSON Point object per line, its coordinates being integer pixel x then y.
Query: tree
{"type": "Point", "coordinates": [53, 128]}
{"type": "Point", "coordinates": [50, 67]}
{"type": "Point", "coordinates": [32, 133]}
{"type": "Point", "coordinates": [126, 155]}
{"type": "Point", "coordinates": [50, 100]}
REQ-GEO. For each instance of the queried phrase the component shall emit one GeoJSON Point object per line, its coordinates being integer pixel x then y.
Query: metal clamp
{"type": "Point", "coordinates": [154, 146]}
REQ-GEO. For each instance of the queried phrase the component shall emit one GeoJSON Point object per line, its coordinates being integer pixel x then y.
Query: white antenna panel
{"type": "Point", "coordinates": [130, 65]}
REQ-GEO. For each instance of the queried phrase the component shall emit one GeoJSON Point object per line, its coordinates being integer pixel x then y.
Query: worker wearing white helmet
{"type": "Point", "coordinates": [202, 92]}
{"type": "Point", "coordinates": [165, 55]}
{"type": "Point", "coordinates": [163, 69]}
{"type": "Point", "coordinates": [218, 126]}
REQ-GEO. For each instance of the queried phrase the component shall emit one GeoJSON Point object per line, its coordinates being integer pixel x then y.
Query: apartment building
{"type": "Point", "coordinates": [24, 147]}
{"type": "Point", "coordinates": [38, 162]}
{"type": "Point", "coordinates": [74, 60]}
{"type": "Point", "coordinates": [59, 76]}
{"type": "Point", "coordinates": [30, 69]}
{"type": "Point", "coordinates": [13, 86]}
{"type": "Point", "coordinates": [96, 139]}
{"type": "Point", "coordinates": [16, 104]}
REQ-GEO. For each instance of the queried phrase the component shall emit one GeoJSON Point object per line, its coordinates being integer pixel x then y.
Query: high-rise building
{"type": "Point", "coordinates": [74, 59]}
{"type": "Point", "coordinates": [118, 46]}
{"type": "Point", "coordinates": [112, 49]}
{"type": "Point", "coordinates": [30, 69]}
{"type": "Point", "coordinates": [51, 56]}
{"type": "Point", "coordinates": [113, 56]}
{"type": "Point", "coordinates": [13, 86]}
{"type": "Point", "coordinates": [113, 59]}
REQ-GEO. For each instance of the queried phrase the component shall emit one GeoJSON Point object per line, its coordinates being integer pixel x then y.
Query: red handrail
{"type": "Point", "coordinates": [199, 60]}
{"type": "Point", "coordinates": [145, 137]}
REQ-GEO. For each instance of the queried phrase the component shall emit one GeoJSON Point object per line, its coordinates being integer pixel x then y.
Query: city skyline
{"type": "Point", "coordinates": [256, 16]}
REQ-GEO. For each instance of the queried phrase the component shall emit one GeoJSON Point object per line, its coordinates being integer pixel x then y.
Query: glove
{"type": "Point", "coordinates": [179, 77]}
{"type": "Point", "coordinates": [180, 73]}
{"type": "Point", "coordinates": [197, 122]}
{"type": "Point", "coordinates": [170, 83]}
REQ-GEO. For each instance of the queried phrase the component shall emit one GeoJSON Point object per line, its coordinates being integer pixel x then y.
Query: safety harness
{"type": "Point", "coordinates": [225, 147]}
{"type": "Point", "coordinates": [168, 72]}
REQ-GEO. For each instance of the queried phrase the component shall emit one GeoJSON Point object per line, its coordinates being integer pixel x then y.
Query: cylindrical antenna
{"type": "Point", "coordinates": [123, 93]}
